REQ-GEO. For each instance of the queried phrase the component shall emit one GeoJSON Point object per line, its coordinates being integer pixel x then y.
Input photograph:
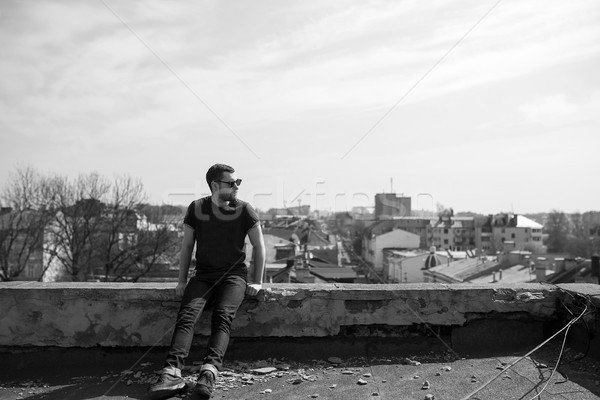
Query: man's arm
{"type": "Point", "coordinates": [185, 257]}
{"type": "Point", "coordinates": [258, 246]}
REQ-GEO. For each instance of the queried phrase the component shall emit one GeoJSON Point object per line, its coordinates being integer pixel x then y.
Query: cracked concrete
{"type": "Point", "coordinates": [112, 314]}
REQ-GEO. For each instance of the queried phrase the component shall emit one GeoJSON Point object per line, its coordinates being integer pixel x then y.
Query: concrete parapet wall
{"type": "Point", "coordinates": [142, 314]}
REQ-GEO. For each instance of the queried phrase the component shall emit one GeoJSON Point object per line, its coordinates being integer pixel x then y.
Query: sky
{"type": "Point", "coordinates": [482, 106]}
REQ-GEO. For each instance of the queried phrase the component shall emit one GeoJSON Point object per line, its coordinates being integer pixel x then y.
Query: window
{"type": "Point", "coordinates": [512, 235]}
{"type": "Point", "coordinates": [445, 241]}
{"type": "Point", "coordinates": [446, 231]}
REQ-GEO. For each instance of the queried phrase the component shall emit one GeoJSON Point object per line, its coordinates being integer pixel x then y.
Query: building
{"type": "Point", "coordinates": [302, 253]}
{"type": "Point", "coordinates": [419, 226]}
{"type": "Point", "coordinates": [390, 205]}
{"type": "Point", "coordinates": [21, 245]}
{"type": "Point", "coordinates": [488, 234]}
{"type": "Point", "coordinates": [591, 223]}
{"type": "Point", "coordinates": [454, 233]}
{"type": "Point", "coordinates": [516, 232]}
{"type": "Point", "coordinates": [463, 270]}
{"type": "Point", "coordinates": [402, 266]}
{"type": "Point", "coordinates": [385, 235]}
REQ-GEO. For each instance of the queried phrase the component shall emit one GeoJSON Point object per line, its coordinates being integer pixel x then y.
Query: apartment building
{"type": "Point", "coordinates": [385, 235]}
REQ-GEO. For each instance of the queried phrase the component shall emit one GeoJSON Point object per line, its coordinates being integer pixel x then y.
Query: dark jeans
{"type": "Point", "coordinates": [225, 295]}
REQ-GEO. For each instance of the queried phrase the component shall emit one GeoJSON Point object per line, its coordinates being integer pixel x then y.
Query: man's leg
{"type": "Point", "coordinates": [227, 298]}
{"type": "Point", "coordinates": [194, 299]}
{"type": "Point", "coordinates": [197, 293]}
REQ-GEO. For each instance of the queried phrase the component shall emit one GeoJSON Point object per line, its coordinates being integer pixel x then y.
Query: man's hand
{"type": "Point", "coordinates": [252, 289]}
{"type": "Point", "coordinates": [180, 289]}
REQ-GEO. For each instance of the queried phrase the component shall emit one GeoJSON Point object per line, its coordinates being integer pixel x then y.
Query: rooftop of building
{"type": "Point", "coordinates": [299, 341]}
{"type": "Point", "coordinates": [467, 268]}
{"type": "Point", "coordinates": [119, 375]}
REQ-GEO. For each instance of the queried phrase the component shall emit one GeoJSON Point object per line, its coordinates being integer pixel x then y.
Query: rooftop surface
{"type": "Point", "coordinates": [63, 374]}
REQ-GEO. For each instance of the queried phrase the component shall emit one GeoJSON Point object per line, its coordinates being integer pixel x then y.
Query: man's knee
{"type": "Point", "coordinates": [224, 315]}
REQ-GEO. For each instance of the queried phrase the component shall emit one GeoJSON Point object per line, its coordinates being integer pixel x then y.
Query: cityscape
{"type": "Point", "coordinates": [93, 229]}
{"type": "Point", "coordinates": [421, 175]}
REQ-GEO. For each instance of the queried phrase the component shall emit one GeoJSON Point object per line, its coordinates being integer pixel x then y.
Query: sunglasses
{"type": "Point", "coordinates": [237, 182]}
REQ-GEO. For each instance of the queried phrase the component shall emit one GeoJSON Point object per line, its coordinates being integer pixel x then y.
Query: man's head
{"type": "Point", "coordinates": [221, 179]}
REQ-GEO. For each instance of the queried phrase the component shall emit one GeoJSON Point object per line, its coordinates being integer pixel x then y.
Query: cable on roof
{"type": "Point", "coordinates": [566, 327]}
{"type": "Point", "coordinates": [562, 348]}
{"type": "Point", "coordinates": [589, 303]}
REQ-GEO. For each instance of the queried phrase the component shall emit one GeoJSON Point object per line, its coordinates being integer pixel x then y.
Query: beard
{"type": "Point", "coordinates": [228, 196]}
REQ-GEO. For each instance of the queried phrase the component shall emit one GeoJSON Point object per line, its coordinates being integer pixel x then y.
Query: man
{"type": "Point", "coordinates": [218, 225]}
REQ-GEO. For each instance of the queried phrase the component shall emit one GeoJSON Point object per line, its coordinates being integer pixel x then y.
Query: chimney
{"type": "Point", "coordinates": [540, 272]}
{"type": "Point", "coordinates": [596, 266]}
{"type": "Point", "coordinates": [500, 274]}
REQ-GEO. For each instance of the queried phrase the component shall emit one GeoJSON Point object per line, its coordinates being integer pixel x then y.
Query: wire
{"type": "Point", "coordinates": [172, 71]}
{"type": "Point", "coordinates": [434, 66]}
{"type": "Point", "coordinates": [139, 360]}
{"type": "Point", "coordinates": [526, 355]}
{"type": "Point", "coordinates": [562, 348]}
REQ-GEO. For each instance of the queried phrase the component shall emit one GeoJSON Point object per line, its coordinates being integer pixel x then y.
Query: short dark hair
{"type": "Point", "coordinates": [215, 173]}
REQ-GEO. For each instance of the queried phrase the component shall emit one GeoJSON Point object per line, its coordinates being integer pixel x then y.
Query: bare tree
{"type": "Point", "coordinates": [77, 211]}
{"type": "Point", "coordinates": [154, 246]}
{"type": "Point", "coordinates": [118, 245]}
{"type": "Point", "coordinates": [21, 237]}
{"type": "Point", "coordinates": [78, 227]}
{"type": "Point", "coordinates": [130, 246]}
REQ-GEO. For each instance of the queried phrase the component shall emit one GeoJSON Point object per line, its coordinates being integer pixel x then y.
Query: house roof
{"type": "Point", "coordinates": [515, 274]}
{"type": "Point", "coordinates": [403, 253]}
{"type": "Point", "coordinates": [454, 254]}
{"type": "Point", "coordinates": [334, 273]}
{"type": "Point", "coordinates": [524, 222]}
{"type": "Point", "coordinates": [383, 227]}
{"type": "Point", "coordinates": [380, 227]}
{"type": "Point", "coordinates": [280, 232]}
{"type": "Point", "coordinates": [466, 269]}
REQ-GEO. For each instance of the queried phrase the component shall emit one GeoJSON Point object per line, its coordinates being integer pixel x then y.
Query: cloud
{"type": "Point", "coordinates": [368, 57]}
{"type": "Point", "coordinates": [560, 109]}
{"type": "Point", "coordinates": [305, 75]}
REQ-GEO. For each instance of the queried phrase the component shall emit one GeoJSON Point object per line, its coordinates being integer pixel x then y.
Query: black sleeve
{"type": "Point", "coordinates": [190, 217]}
{"type": "Point", "coordinates": [251, 217]}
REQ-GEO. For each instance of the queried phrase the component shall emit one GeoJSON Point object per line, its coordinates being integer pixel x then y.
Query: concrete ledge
{"type": "Point", "coordinates": [142, 314]}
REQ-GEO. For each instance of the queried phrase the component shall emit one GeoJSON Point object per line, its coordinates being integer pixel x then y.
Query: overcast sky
{"type": "Point", "coordinates": [482, 106]}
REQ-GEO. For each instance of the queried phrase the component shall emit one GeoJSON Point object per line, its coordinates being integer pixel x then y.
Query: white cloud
{"type": "Point", "coordinates": [560, 109]}
{"type": "Point", "coordinates": [307, 76]}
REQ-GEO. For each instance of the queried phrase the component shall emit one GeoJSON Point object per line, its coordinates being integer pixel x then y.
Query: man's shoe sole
{"type": "Point", "coordinates": [166, 393]}
{"type": "Point", "coordinates": [196, 395]}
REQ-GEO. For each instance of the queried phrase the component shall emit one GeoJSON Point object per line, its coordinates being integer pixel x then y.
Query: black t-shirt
{"type": "Point", "coordinates": [220, 236]}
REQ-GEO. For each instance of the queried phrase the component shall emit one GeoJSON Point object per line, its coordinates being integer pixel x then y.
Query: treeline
{"type": "Point", "coordinates": [569, 233]}
{"type": "Point", "coordinates": [80, 228]}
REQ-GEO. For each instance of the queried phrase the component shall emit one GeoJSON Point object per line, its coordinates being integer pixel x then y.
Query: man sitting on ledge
{"type": "Point", "coordinates": [218, 225]}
